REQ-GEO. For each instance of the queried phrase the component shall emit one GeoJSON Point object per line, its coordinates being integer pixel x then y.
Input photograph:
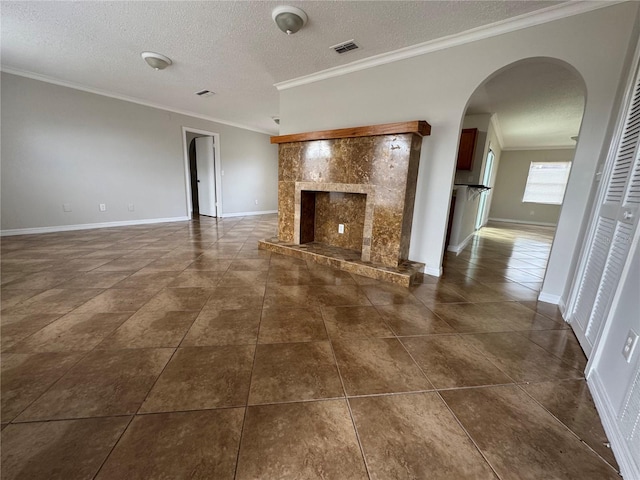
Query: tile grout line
{"type": "Point", "coordinates": [253, 364]}
{"type": "Point", "coordinates": [179, 343]}
{"type": "Point", "coordinates": [145, 397]}
{"type": "Point", "coordinates": [486, 357]}
{"type": "Point", "coordinates": [113, 447]}
{"type": "Point", "coordinates": [520, 333]}
{"type": "Point", "coordinates": [469, 436]}
{"type": "Point", "coordinates": [346, 398]}
{"type": "Point", "coordinates": [564, 424]}
{"type": "Point", "coordinates": [565, 361]}
{"type": "Point", "coordinates": [82, 357]}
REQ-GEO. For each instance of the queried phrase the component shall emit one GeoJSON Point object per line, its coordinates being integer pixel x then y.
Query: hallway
{"type": "Point", "coordinates": [182, 351]}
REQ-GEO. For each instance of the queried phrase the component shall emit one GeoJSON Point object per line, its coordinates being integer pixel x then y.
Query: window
{"type": "Point", "coordinates": [546, 182]}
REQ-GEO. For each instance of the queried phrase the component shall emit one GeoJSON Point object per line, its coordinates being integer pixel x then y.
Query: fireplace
{"type": "Point", "coordinates": [361, 178]}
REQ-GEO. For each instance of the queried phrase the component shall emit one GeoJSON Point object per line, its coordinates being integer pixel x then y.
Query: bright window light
{"type": "Point", "coordinates": [547, 182]}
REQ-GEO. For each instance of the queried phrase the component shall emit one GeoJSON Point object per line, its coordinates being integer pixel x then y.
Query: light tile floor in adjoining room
{"type": "Point", "coordinates": [182, 351]}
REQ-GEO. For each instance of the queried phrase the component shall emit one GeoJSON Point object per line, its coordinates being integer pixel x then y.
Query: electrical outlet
{"type": "Point", "coordinates": [256, 201]}
{"type": "Point", "coordinates": [532, 212]}
{"type": "Point", "coordinates": [103, 207]}
{"type": "Point", "coordinates": [629, 345]}
{"type": "Point", "coordinates": [66, 207]}
{"type": "Point", "coordinates": [132, 207]}
{"type": "Point", "coordinates": [341, 228]}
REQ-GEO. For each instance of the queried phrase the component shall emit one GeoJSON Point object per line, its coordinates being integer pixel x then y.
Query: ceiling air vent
{"type": "Point", "coordinates": [345, 47]}
{"type": "Point", "coordinates": [205, 93]}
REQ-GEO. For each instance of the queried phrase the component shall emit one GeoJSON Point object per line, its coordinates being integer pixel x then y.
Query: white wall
{"type": "Point", "coordinates": [625, 317]}
{"type": "Point", "coordinates": [613, 381]}
{"type": "Point", "coordinates": [511, 181]}
{"type": "Point", "coordinates": [465, 213]}
{"type": "Point", "coordinates": [436, 87]}
{"type": "Point", "coordinates": [61, 145]}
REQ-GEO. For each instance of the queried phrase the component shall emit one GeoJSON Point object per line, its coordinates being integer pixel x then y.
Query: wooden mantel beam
{"type": "Point", "coordinates": [420, 127]}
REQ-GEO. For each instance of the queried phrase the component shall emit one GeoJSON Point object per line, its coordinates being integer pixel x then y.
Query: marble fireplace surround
{"type": "Point", "coordinates": [379, 163]}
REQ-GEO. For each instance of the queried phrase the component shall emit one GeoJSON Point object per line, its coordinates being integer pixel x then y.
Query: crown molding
{"type": "Point", "coordinates": [545, 15]}
{"type": "Point", "coordinates": [125, 98]}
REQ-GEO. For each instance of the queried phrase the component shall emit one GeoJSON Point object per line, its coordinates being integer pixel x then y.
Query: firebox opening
{"type": "Point", "coordinates": [321, 213]}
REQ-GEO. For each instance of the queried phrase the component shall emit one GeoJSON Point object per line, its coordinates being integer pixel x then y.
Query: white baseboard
{"type": "Point", "coordinates": [549, 298]}
{"type": "Point", "coordinates": [247, 214]}
{"type": "Point", "coordinates": [628, 467]}
{"type": "Point", "coordinates": [88, 226]}
{"type": "Point", "coordinates": [434, 272]}
{"type": "Point", "coordinates": [461, 246]}
{"type": "Point", "coordinates": [523, 222]}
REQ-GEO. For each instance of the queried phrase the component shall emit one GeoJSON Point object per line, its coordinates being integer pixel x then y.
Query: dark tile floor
{"type": "Point", "coordinates": [182, 351]}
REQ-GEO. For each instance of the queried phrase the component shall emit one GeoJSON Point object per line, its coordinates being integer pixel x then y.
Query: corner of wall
{"type": "Point", "coordinates": [624, 456]}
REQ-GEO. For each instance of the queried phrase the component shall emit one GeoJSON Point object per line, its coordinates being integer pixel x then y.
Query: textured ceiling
{"type": "Point", "coordinates": [232, 48]}
{"type": "Point", "coordinates": [538, 104]}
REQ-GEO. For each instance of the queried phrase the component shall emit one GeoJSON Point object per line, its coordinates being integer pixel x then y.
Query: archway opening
{"type": "Point", "coordinates": [518, 139]}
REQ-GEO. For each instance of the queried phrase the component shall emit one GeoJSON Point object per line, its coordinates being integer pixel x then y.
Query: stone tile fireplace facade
{"type": "Point", "coordinates": [362, 178]}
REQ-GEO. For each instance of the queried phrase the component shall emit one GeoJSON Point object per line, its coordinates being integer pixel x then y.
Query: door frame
{"type": "Point", "coordinates": [217, 164]}
{"type": "Point", "coordinates": [483, 204]}
{"type": "Point", "coordinates": [605, 170]}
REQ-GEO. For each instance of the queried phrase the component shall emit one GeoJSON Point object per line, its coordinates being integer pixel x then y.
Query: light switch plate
{"type": "Point", "coordinates": [341, 228]}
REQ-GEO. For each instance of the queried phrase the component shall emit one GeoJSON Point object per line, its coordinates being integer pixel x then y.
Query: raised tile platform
{"type": "Point", "coordinates": [344, 259]}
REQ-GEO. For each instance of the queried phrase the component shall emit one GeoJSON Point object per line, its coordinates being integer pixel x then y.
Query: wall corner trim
{"type": "Point", "coordinates": [88, 226]}
{"type": "Point", "coordinates": [628, 467]}
{"type": "Point", "coordinates": [433, 271]}
{"type": "Point", "coordinates": [549, 298]}
{"type": "Point", "coordinates": [462, 245]}
{"type": "Point", "coordinates": [562, 305]}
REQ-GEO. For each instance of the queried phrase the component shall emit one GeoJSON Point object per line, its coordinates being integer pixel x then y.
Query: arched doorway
{"type": "Point", "coordinates": [524, 120]}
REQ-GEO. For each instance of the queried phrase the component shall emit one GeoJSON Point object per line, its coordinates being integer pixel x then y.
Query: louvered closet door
{"type": "Point", "coordinates": [610, 232]}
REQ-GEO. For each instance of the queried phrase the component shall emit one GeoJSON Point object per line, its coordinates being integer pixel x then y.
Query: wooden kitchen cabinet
{"type": "Point", "coordinates": [467, 148]}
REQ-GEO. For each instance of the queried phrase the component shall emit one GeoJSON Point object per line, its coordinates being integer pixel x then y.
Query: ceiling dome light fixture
{"type": "Point", "coordinates": [289, 19]}
{"type": "Point", "coordinates": [156, 61]}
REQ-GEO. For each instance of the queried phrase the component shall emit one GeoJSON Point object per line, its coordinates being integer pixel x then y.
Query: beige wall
{"type": "Point", "coordinates": [61, 145]}
{"type": "Point", "coordinates": [510, 184]}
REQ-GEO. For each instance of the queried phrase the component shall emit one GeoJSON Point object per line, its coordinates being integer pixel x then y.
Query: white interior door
{"type": "Point", "coordinates": [611, 230]}
{"type": "Point", "coordinates": [206, 176]}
